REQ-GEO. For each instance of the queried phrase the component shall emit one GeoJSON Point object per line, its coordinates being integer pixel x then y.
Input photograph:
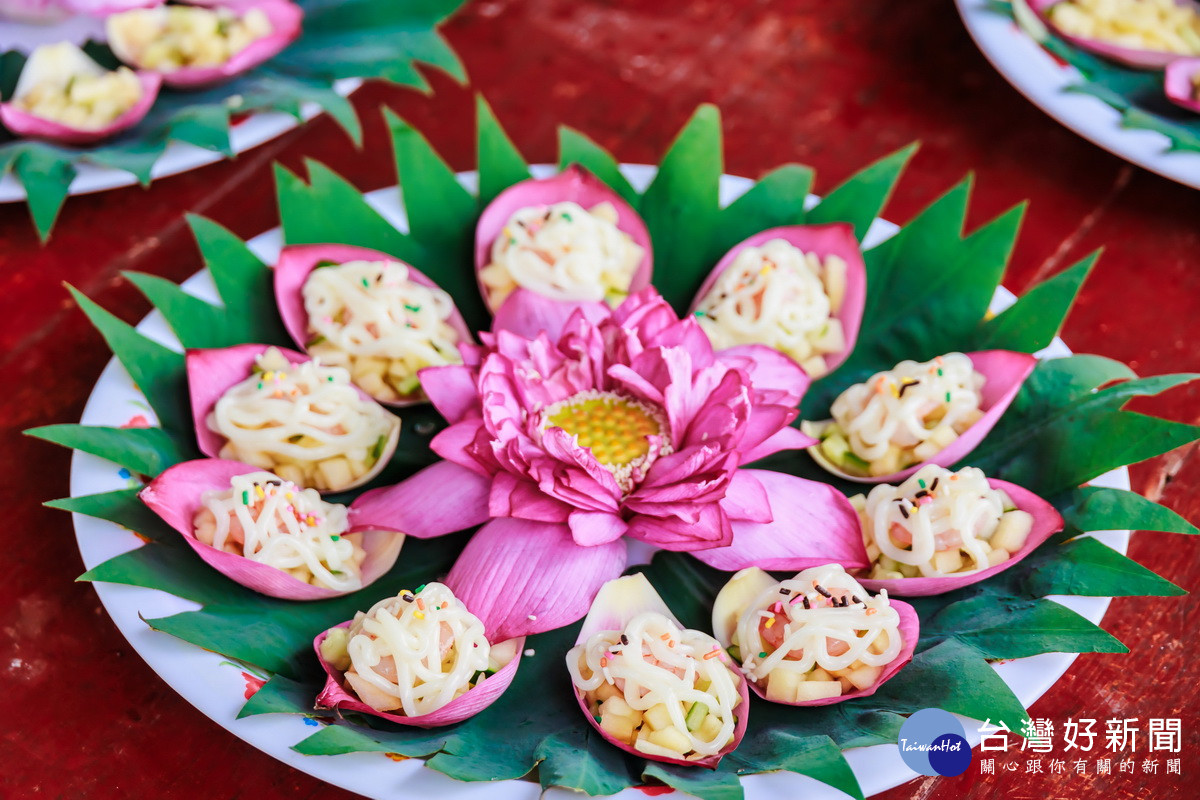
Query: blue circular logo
{"type": "Point", "coordinates": [932, 742]}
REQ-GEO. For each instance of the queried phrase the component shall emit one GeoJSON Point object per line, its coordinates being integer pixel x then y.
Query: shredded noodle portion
{"type": "Point", "coordinates": [1160, 25]}
{"type": "Point", "coordinates": [902, 416]}
{"type": "Point", "coordinates": [304, 422]}
{"type": "Point", "coordinates": [370, 318]}
{"type": "Point", "coordinates": [277, 523]}
{"type": "Point", "coordinates": [166, 38]}
{"type": "Point", "coordinates": [660, 688]}
{"type": "Point", "coordinates": [564, 252]}
{"type": "Point", "coordinates": [940, 522]}
{"type": "Point", "coordinates": [817, 635]}
{"type": "Point", "coordinates": [782, 297]}
{"type": "Point", "coordinates": [412, 653]}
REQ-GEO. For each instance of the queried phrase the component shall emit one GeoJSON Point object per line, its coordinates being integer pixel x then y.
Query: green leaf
{"type": "Point", "coordinates": [681, 208]}
{"type": "Point", "coordinates": [195, 322]}
{"type": "Point", "coordinates": [279, 695]}
{"type": "Point", "coordinates": [1095, 508]}
{"type": "Point", "coordinates": [1018, 628]}
{"type": "Point", "coordinates": [860, 199]}
{"type": "Point", "coordinates": [143, 451]}
{"type": "Point", "coordinates": [702, 783]}
{"type": "Point", "coordinates": [156, 370]}
{"type": "Point", "coordinates": [46, 175]}
{"type": "Point", "coordinates": [1035, 319]}
{"type": "Point", "coordinates": [170, 566]}
{"type": "Point", "coordinates": [441, 216]}
{"type": "Point", "coordinates": [775, 201]}
{"type": "Point", "coordinates": [1086, 566]}
{"type": "Point", "coordinates": [121, 507]}
{"type": "Point", "coordinates": [605, 771]}
{"type": "Point", "coordinates": [500, 163]}
{"type": "Point", "coordinates": [575, 148]}
{"type": "Point", "coordinates": [816, 756]}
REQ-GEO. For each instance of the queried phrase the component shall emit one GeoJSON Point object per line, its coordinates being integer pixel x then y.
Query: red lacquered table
{"type": "Point", "coordinates": [833, 85]}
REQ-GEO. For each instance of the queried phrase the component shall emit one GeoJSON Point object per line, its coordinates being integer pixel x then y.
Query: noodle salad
{"type": "Point", "coordinates": [371, 319]}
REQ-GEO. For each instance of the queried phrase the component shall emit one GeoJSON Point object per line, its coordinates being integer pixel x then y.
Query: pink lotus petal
{"type": "Point", "coordinates": [710, 528]}
{"type": "Point", "coordinates": [440, 499]}
{"type": "Point", "coordinates": [285, 18]}
{"type": "Point", "coordinates": [784, 439]}
{"type": "Point", "coordinates": [452, 391]}
{"type": "Point", "coordinates": [528, 313]}
{"type": "Point", "coordinates": [104, 8]}
{"type": "Point", "coordinates": [297, 262]}
{"type": "Point", "coordinates": [615, 605]}
{"type": "Point", "coordinates": [1046, 522]}
{"type": "Point", "coordinates": [776, 379]}
{"type": "Point", "coordinates": [572, 184]}
{"type": "Point", "coordinates": [213, 372]}
{"type": "Point", "coordinates": [835, 239]}
{"type": "Point", "coordinates": [521, 577]}
{"type": "Point", "coordinates": [746, 498]}
{"type": "Point", "coordinates": [910, 630]}
{"type": "Point", "coordinates": [466, 705]}
{"type": "Point", "coordinates": [175, 495]}
{"type": "Point", "coordinates": [814, 524]}
{"type": "Point", "coordinates": [31, 126]}
{"type": "Point", "coordinates": [1129, 56]}
{"type": "Point", "coordinates": [590, 528]}
{"type": "Point", "coordinates": [1178, 83]}
{"type": "Point", "coordinates": [1004, 371]}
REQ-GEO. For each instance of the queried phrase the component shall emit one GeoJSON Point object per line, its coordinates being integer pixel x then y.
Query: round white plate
{"type": "Point", "coordinates": [1037, 75]}
{"type": "Point", "coordinates": [178, 157]}
{"type": "Point", "coordinates": [216, 688]}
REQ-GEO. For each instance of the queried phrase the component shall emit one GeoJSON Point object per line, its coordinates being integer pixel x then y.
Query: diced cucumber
{"type": "Point", "coordinates": [695, 716]}
{"type": "Point", "coordinates": [835, 447]}
{"type": "Point", "coordinates": [735, 652]}
{"type": "Point", "coordinates": [852, 463]}
{"type": "Point", "coordinates": [377, 450]}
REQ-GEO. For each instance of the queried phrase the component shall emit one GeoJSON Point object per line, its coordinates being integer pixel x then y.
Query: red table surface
{"type": "Point", "coordinates": [833, 85]}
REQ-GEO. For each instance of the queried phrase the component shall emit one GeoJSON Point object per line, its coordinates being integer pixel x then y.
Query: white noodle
{"type": "Point", "coordinates": [939, 510]}
{"type": "Point", "coordinates": [662, 663]}
{"type": "Point", "coordinates": [564, 252]}
{"type": "Point", "coordinates": [305, 422]}
{"type": "Point", "coordinates": [370, 318]}
{"type": "Point", "coordinates": [438, 648]}
{"type": "Point", "coordinates": [909, 404]}
{"type": "Point", "coordinates": [809, 629]}
{"type": "Point", "coordinates": [779, 296]}
{"type": "Point", "coordinates": [277, 523]}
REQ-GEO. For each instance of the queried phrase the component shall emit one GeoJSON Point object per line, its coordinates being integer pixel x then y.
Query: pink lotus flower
{"type": "Point", "coordinates": [1179, 83]}
{"type": "Point", "coordinates": [609, 424]}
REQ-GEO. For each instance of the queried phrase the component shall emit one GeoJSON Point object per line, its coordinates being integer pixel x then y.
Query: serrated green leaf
{"type": "Point", "coordinates": [815, 756]}
{"type": "Point", "coordinates": [1018, 628]}
{"type": "Point", "coordinates": [681, 208]}
{"type": "Point", "coordinates": [143, 451]}
{"type": "Point", "coordinates": [156, 370]}
{"type": "Point", "coordinates": [1088, 567]}
{"type": "Point", "coordinates": [195, 322]}
{"type": "Point", "coordinates": [121, 507]}
{"type": "Point", "coordinates": [279, 695]}
{"type": "Point", "coordinates": [860, 199]}
{"type": "Point", "coordinates": [575, 148]}
{"type": "Point", "coordinates": [335, 740]}
{"type": "Point", "coordinates": [500, 163]}
{"type": "Point", "coordinates": [1035, 319]}
{"type": "Point", "coordinates": [46, 175]}
{"type": "Point", "coordinates": [1096, 508]}
{"type": "Point", "coordinates": [171, 566]}
{"type": "Point", "coordinates": [776, 200]}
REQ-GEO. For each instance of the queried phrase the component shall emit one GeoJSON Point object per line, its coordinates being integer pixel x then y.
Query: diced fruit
{"type": "Point", "coordinates": [835, 447]}
{"type": "Point", "coordinates": [606, 690]}
{"type": "Point", "coordinates": [819, 674]}
{"type": "Point", "coordinates": [617, 707]}
{"type": "Point", "coordinates": [658, 717]}
{"type": "Point", "coordinates": [620, 728]}
{"type": "Point", "coordinates": [889, 462]}
{"type": "Point", "coordinates": [847, 686]}
{"type": "Point", "coordinates": [909, 570]}
{"type": "Point", "coordinates": [997, 556]}
{"type": "Point", "coordinates": [880, 644]}
{"type": "Point", "coordinates": [335, 473]}
{"type": "Point", "coordinates": [817, 690]}
{"type": "Point", "coordinates": [333, 648]}
{"type": "Point", "coordinates": [864, 676]}
{"type": "Point", "coordinates": [781, 685]}
{"type": "Point", "coordinates": [859, 501]}
{"type": "Point", "coordinates": [834, 277]}
{"type": "Point", "coordinates": [1012, 531]}
{"type": "Point", "coordinates": [815, 366]}
{"type": "Point", "coordinates": [709, 728]}
{"type": "Point", "coordinates": [832, 339]}
{"type": "Point", "coordinates": [947, 561]}
{"type": "Point", "coordinates": [671, 739]}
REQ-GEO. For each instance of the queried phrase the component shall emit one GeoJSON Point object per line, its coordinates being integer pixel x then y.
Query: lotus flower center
{"type": "Point", "coordinates": [616, 429]}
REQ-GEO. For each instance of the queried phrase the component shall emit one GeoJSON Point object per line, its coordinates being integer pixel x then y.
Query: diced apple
{"type": "Point", "coordinates": [832, 338]}
{"type": "Point", "coordinates": [671, 739]}
{"type": "Point", "coordinates": [947, 561]}
{"type": "Point", "coordinates": [819, 674]}
{"type": "Point", "coordinates": [1012, 531]}
{"type": "Point", "coordinates": [847, 686]}
{"type": "Point", "coordinates": [859, 501]}
{"type": "Point", "coordinates": [880, 644]}
{"type": "Point", "coordinates": [814, 366]}
{"type": "Point", "coordinates": [864, 676]}
{"type": "Point", "coordinates": [617, 707]}
{"type": "Point", "coordinates": [618, 727]}
{"type": "Point", "coordinates": [658, 717]}
{"type": "Point", "coordinates": [335, 473]}
{"type": "Point", "coordinates": [781, 685]}
{"type": "Point", "coordinates": [998, 556]}
{"type": "Point", "coordinates": [372, 384]}
{"type": "Point", "coordinates": [889, 462]}
{"type": "Point", "coordinates": [334, 648]}
{"type": "Point", "coordinates": [709, 728]}
{"type": "Point", "coordinates": [833, 274]}
{"type": "Point", "coordinates": [606, 690]}
{"type": "Point", "coordinates": [818, 690]}
{"type": "Point", "coordinates": [290, 472]}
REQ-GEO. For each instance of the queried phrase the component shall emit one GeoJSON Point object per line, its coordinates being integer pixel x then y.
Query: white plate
{"type": "Point", "coordinates": [216, 689]}
{"type": "Point", "coordinates": [178, 157]}
{"type": "Point", "coordinates": [1035, 74]}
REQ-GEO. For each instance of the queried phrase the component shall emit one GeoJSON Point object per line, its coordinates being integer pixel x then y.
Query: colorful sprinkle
{"type": "Point", "coordinates": [419, 614]}
{"type": "Point", "coordinates": [246, 498]}
{"type": "Point", "coordinates": [762, 655]}
{"type": "Point", "coordinates": [921, 483]}
{"type": "Point", "coordinates": [947, 397]}
{"type": "Point", "coordinates": [413, 309]}
{"type": "Point", "coordinates": [336, 538]}
{"type": "Point", "coordinates": [716, 651]}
